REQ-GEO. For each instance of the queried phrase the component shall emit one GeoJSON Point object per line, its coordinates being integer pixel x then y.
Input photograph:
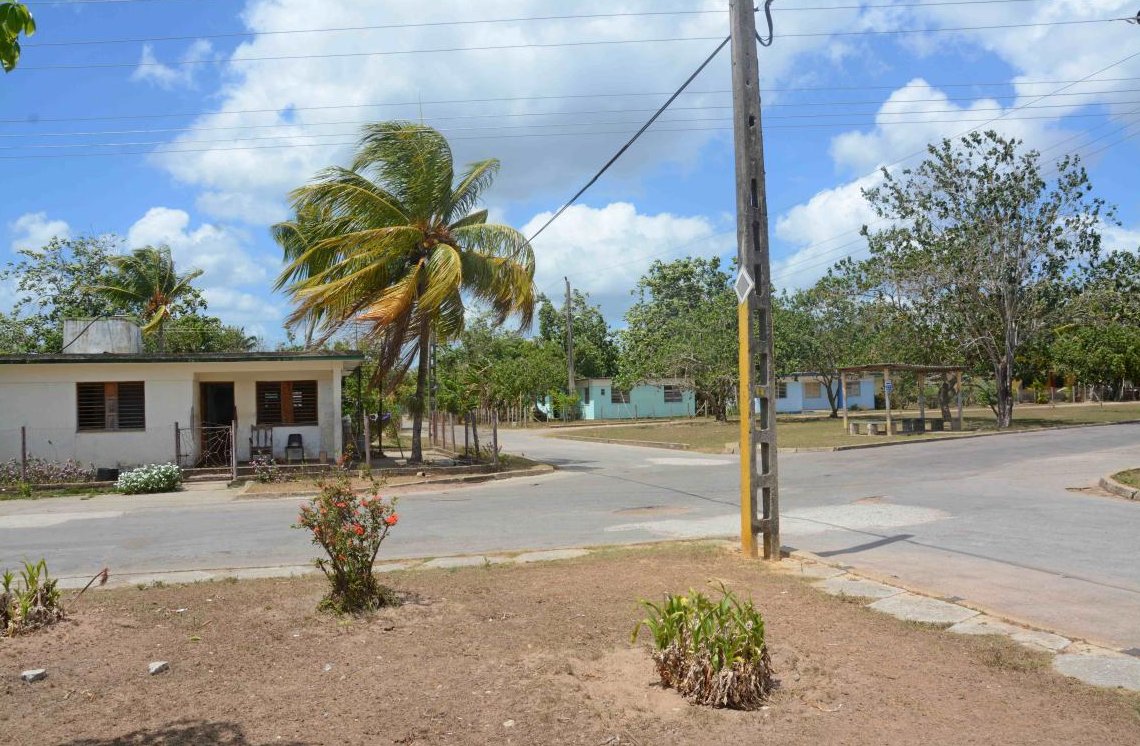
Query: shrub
{"type": "Point", "coordinates": [266, 470]}
{"type": "Point", "coordinates": [42, 471]}
{"type": "Point", "coordinates": [34, 605]}
{"type": "Point", "coordinates": [350, 529]}
{"type": "Point", "coordinates": [147, 479]}
{"type": "Point", "coordinates": [711, 653]}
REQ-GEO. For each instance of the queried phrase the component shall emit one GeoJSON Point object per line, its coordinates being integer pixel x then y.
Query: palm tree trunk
{"type": "Point", "coordinates": [417, 455]}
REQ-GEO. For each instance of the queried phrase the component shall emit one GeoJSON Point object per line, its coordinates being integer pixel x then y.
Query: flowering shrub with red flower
{"type": "Point", "coordinates": [350, 529]}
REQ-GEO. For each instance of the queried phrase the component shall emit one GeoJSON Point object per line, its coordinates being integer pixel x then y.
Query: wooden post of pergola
{"type": "Point", "coordinates": [921, 377]}
{"type": "Point", "coordinates": [887, 398]}
{"type": "Point", "coordinates": [886, 370]}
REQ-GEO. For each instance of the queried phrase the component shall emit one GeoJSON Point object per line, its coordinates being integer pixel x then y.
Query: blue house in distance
{"type": "Point", "coordinates": [806, 392]}
{"type": "Point", "coordinates": [599, 400]}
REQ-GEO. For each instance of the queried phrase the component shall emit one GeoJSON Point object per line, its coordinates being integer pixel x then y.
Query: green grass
{"type": "Point", "coordinates": [808, 431]}
{"type": "Point", "coordinates": [1130, 477]}
{"type": "Point", "coordinates": [12, 492]}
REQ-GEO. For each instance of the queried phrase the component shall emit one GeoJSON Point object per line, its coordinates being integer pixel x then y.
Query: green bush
{"type": "Point", "coordinates": [711, 653]}
{"type": "Point", "coordinates": [147, 479]}
{"type": "Point", "coordinates": [34, 605]}
{"type": "Point", "coordinates": [350, 529]}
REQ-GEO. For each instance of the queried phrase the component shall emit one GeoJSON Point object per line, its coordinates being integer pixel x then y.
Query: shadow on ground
{"type": "Point", "coordinates": [180, 733]}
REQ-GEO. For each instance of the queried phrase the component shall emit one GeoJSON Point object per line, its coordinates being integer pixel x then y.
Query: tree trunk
{"type": "Point", "coordinates": [945, 390]}
{"type": "Point", "coordinates": [472, 415]}
{"type": "Point", "coordinates": [832, 396]}
{"type": "Point", "coordinates": [417, 455]}
{"type": "Point", "coordinates": [1004, 408]}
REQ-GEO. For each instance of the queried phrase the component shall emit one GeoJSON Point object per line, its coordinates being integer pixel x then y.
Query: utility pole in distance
{"type": "Point", "coordinates": [569, 348]}
{"type": "Point", "coordinates": [753, 289]}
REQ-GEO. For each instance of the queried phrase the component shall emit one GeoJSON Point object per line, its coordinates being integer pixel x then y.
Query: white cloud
{"type": "Point", "coordinates": [168, 77]}
{"type": "Point", "coordinates": [606, 250]}
{"type": "Point", "coordinates": [1119, 238]}
{"type": "Point", "coordinates": [252, 184]}
{"type": "Point", "coordinates": [822, 231]}
{"type": "Point", "coordinates": [33, 229]}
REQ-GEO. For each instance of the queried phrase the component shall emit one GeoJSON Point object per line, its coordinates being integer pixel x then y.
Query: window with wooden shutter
{"type": "Point", "coordinates": [287, 403]}
{"type": "Point", "coordinates": [672, 393]}
{"type": "Point", "coordinates": [119, 405]}
{"type": "Point", "coordinates": [619, 397]}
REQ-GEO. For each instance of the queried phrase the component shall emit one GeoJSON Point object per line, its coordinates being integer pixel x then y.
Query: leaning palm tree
{"type": "Point", "coordinates": [395, 245]}
{"type": "Point", "coordinates": [146, 280]}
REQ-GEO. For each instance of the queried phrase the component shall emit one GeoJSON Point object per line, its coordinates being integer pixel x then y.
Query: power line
{"type": "Point", "coordinates": [505, 99]}
{"type": "Point", "coordinates": [472, 22]}
{"type": "Point", "coordinates": [547, 125]}
{"type": "Point", "coordinates": [544, 45]}
{"type": "Point", "coordinates": [632, 140]}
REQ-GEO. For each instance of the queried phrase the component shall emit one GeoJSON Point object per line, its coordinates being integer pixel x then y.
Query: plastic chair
{"type": "Point", "coordinates": [294, 445]}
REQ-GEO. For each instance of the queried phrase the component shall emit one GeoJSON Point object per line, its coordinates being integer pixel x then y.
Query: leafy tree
{"type": "Point", "coordinates": [15, 19]}
{"type": "Point", "coordinates": [147, 282]}
{"type": "Point", "coordinates": [983, 243]}
{"type": "Point", "coordinates": [52, 283]}
{"type": "Point", "coordinates": [199, 333]}
{"type": "Point", "coordinates": [395, 241]}
{"type": "Point", "coordinates": [595, 350]}
{"type": "Point", "coordinates": [824, 329]}
{"type": "Point", "coordinates": [683, 325]}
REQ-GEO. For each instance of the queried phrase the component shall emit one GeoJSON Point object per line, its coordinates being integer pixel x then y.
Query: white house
{"type": "Point", "coordinates": [122, 407]}
{"type": "Point", "coordinates": [807, 392]}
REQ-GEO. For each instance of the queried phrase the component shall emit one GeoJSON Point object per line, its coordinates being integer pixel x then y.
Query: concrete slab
{"type": "Point", "coordinates": [914, 608]}
{"type": "Point", "coordinates": [1104, 668]}
{"type": "Point", "coordinates": [474, 561]}
{"type": "Point", "coordinates": [1030, 638]}
{"type": "Point", "coordinates": [848, 585]}
{"type": "Point", "coordinates": [551, 554]}
{"type": "Point", "coordinates": [810, 569]}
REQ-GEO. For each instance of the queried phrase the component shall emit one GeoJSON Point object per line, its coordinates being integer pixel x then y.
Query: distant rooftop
{"type": "Point", "coordinates": [180, 357]}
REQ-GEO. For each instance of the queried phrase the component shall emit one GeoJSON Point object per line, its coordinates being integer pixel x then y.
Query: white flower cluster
{"type": "Point", "coordinates": [152, 478]}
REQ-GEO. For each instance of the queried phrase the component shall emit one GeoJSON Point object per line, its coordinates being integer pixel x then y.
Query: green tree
{"type": "Point", "coordinates": [983, 242]}
{"type": "Point", "coordinates": [595, 349]}
{"type": "Point", "coordinates": [396, 242]}
{"type": "Point", "coordinates": [52, 283]}
{"type": "Point", "coordinates": [195, 332]}
{"type": "Point", "coordinates": [147, 282]}
{"type": "Point", "coordinates": [15, 19]}
{"type": "Point", "coordinates": [683, 325]}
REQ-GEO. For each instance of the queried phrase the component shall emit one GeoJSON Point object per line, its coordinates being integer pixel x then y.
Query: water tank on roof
{"type": "Point", "coordinates": [96, 336]}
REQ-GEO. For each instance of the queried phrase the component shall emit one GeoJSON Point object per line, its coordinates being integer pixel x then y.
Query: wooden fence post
{"type": "Point", "coordinates": [23, 453]}
{"type": "Point", "coordinates": [367, 440]}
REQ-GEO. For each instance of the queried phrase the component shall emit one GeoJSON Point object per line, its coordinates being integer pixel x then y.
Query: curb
{"type": "Point", "coordinates": [461, 479]}
{"type": "Point", "coordinates": [1108, 484]}
{"type": "Point", "coordinates": [623, 442]}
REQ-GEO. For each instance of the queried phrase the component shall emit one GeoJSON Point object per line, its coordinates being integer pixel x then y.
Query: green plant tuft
{"type": "Point", "coordinates": [713, 653]}
{"type": "Point", "coordinates": [35, 604]}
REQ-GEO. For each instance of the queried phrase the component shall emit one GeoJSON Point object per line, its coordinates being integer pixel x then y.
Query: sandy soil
{"type": "Point", "coordinates": [536, 654]}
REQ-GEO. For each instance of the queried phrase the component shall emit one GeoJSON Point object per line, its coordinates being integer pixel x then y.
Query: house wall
{"type": "Point", "coordinates": [43, 399]}
{"type": "Point", "coordinates": [797, 399]}
{"type": "Point", "coordinates": [645, 400]}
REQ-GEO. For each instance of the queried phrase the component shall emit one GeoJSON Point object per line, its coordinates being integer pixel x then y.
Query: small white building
{"type": "Point", "coordinates": [125, 408]}
{"type": "Point", "coordinates": [807, 392]}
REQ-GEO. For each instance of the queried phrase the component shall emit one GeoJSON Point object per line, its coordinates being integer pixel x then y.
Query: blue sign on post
{"type": "Point", "coordinates": [889, 386]}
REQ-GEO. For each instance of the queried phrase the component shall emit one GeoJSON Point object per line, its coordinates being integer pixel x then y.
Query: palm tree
{"type": "Point", "coordinates": [147, 281]}
{"type": "Point", "coordinates": [395, 243]}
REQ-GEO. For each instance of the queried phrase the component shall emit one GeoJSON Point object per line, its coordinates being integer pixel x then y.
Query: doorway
{"type": "Point", "coordinates": [218, 415]}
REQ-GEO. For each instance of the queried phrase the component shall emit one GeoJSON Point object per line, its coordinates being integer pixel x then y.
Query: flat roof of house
{"type": "Point", "coordinates": [182, 357]}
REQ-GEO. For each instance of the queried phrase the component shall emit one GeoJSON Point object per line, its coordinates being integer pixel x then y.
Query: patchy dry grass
{"type": "Point", "coordinates": [805, 431]}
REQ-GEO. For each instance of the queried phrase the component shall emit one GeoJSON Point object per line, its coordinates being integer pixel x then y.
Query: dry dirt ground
{"type": "Point", "coordinates": [532, 654]}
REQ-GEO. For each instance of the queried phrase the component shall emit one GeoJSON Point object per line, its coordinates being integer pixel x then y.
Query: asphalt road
{"type": "Point", "coordinates": [999, 521]}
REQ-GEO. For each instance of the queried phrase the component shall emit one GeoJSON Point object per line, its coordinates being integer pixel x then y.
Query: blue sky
{"type": "Point", "coordinates": [179, 141]}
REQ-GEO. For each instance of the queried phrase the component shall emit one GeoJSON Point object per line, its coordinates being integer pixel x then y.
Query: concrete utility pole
{"type": "Point", "coordinates": [753, 288]}
{"type": "Point", "coordinates": [569, 348]}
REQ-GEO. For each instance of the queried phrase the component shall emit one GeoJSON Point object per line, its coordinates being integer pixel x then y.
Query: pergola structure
{"type": "Point", "coordinates": [920, 372]}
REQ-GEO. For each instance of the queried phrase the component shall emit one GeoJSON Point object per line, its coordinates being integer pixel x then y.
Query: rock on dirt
{"type": "Point", "coordinates": [157, 667]}
{"type": "Point", "coordinates": [33, 675]}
